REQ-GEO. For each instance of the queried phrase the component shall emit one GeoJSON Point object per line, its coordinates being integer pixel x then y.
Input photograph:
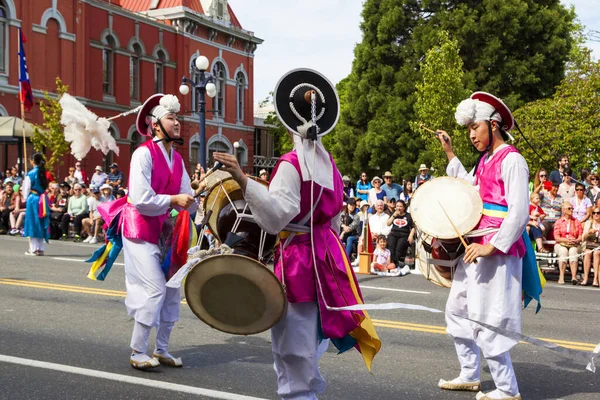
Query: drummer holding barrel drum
{"type": "Point", "coordinates": [486, 285]}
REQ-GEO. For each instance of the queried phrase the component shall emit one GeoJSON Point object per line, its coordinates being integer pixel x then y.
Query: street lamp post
{"type": "Point", "coordinates": [204, 85]}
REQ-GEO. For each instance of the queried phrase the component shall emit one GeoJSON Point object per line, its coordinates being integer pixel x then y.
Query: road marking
{"type": "Point", "coordinates": [77, 260]}
{"type": "Point", "coordinates": [393, 290]}
{"type": "Point", "coordinates": [215, 394]}
{"type": "Point", "coordinates": [438, 329]}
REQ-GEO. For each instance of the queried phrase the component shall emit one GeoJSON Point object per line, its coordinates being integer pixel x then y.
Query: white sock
{"type": "Point", "coordinates": [139, 337]}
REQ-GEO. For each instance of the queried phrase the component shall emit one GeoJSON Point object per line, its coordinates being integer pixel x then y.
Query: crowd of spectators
{"type": "Point", "coordinates": [73, 202]}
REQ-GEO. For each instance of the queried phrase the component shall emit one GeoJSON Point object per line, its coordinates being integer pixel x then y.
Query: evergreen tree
{"type": "Point", "coordinates": [515, 49]}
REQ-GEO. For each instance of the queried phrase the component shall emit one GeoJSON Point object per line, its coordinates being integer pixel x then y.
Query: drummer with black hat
{"type": "Point", "coordinates": [489, 290]}
{"type": "Point", "coordinates": [158, 182]}
{"type": "Point", "coordinates": [302, 205]}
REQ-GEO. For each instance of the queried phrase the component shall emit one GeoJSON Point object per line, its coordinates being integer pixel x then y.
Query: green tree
{"type": "Point", "coordinates": [50, 136]}
{"type": "Point", "coordinates": [516, 49]}
{"type": "Point", "coordinates": [437, 96]}
{"type": "Point", "coordinates": [566, 123]}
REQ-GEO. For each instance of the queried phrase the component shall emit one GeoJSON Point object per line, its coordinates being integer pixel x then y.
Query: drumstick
{"type": "Point", "coordinates": [196, 184]}
{"type": "Point", "coordinates": [422, 126]}
{"type": "Point", "coordinates": [462, 240]}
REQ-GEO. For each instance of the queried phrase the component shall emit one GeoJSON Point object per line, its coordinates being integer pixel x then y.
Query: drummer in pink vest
{"type": "Point", "coordinates": [310, 262]}
{"type": "Point", "coordinates": [489, 291]}
{"type": "Point", "coordinates": [158, 182]}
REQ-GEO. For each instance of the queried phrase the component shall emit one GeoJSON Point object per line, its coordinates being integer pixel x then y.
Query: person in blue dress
{"type": "Point", "coordinates": [37, 213]}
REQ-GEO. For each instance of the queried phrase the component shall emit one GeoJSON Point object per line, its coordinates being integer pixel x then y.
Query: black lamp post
{"type": "Point", "coordinates": [204, 85]}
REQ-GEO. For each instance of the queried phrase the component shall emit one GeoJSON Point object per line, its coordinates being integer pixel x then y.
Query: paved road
{"type": "Point", "coordinates": [63, 336]}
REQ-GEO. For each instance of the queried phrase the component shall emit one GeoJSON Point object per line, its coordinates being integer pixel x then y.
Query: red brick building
{"type": "Point", "coordinates": [113, 54]}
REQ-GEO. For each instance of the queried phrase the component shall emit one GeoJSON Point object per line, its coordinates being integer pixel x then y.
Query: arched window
{"type": "Point", "coordinates": [216, 146]}
{"type": "Point", "coordinates": [159, 71]}
{"type": "Point", "coordinates": [136, 140]}
{"type": "Point", "coordinates": [134, 72]}
{"type": "Point", "coordinates": [109, 158]}
{"type": "Point", "coordinates": [3, 36]}
{"type": "Point", "coordinates": [219, 99]}
{"type": "Point", "coordinates": [108, 55]}
{"type": "Point", "coordinates": [240, 81]}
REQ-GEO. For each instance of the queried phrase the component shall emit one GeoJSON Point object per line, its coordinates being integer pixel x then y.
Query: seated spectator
{"type": "Point", "coordinates": [392, 190]}
{"type": "Point", "coordinates": [390, 207]}
{"type": "Point", "coordinates": [263, 175]}
{"type": "Point", "coordinates": [593, 191]}
{"type": "Point", "coordinates": [99, 178]}
{"type": "Point", "coordinates": [551, 203]}
{"type": "Point", "coordinates": [7, 206]}
{"type": "Point", "coordinates": [94, 220]}
{"type": "Point", "coordinates": [120, 193]}
{"type": "Point", "coordinates": [376, 192]}
{"type": "Point", "coordinates": [402, 233]}
{"type": "Point", "coordinates": [568, 234]}
{"type": "Point", "coordinates": [53, 192]}
{"type": "Point", "coordinates": [363, 186]}
{"type": "Point", "coordinates": [582, 206]}
{"type": "Point", "coordinates": [541, 182]}
{"type": "Point", "coordinates": [115, 178]}
{"type": "Point", "coordinates": [382, 257]}
{"type": "Point", "coordinates": [77, 211]}
{"type": "Point", "coordinates": [535, 228]}
{"type": "Point", "coordinates": [17, 216]}
{"type": "Point", "coordinates": [71, 179]}
{"type": "Point", "coordinates": [378, 221]}
{"type": "Point", "coordinates": [350, 226]}
{"type": "Point", "coordinates": [80, 174]}
{"type": "Point", "coordinates": [423, 176]}
{"type": "Point", "coordinates": [407, 193]}
{"type": "Point", "coordinates": [567, 187]}
{"type": "Point", "coordinates": [348, 191]}
{"type": "Point", "coordinates": [14, 177]}
{"type": "Point", "coordinates": [58, 208]}
{"type": "Point", "coordinates": [585, 177]}
{"type": "Point", "coordinates": [591, 235]}
{"type": "Point", "coordinates": [106, 193]}
{"type": "Point", "coordinates": [84, 190]}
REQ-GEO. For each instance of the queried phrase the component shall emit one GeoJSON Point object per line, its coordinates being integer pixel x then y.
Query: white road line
{"type": "Point", "coordinates": [215, 394]}
{"type": "Point", "coordinates": [77, 260]}
{"type": "Point", "coordinates": [393, 290]}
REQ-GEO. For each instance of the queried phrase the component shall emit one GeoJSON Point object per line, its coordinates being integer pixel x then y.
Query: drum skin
{"type": "Point", "coordinates": [235, 294]}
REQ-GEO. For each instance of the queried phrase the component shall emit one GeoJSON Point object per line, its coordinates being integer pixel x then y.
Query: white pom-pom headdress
{"type": "Point", "coordinates": [154, 108]}
{"type": "Point", "coordinates": [482, 106]}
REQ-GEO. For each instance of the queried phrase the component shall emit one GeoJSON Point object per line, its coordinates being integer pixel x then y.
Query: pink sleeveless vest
{"type": "Point", "coordinates": [491, 190]}
{"type": "Point", "coordinates": [164, 181]}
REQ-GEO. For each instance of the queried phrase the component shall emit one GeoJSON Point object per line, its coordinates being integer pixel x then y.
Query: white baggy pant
{"type": "Point", "coordinates": [490, 292]}
{"type": "Point", "coordinates": [148, 300]}
{"type": "Point", "coordinates": [296, 352]}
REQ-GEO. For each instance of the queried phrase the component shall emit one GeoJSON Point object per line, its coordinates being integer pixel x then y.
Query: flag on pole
{"type": "Point", "coordinates": [25, 93]}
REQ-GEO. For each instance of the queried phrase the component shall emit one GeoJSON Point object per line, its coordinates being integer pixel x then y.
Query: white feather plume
{"type": "Point", "coordinates": [171, 103]}
{"type": "Point", "coordinates": [465, 112]}
{"type": "Point", "coordinates": [83, 128]}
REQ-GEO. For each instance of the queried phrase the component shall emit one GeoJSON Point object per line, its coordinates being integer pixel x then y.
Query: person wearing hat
{"type": "Point", "coordinates": [376, 192]}
{"type": "Point", "coordinates": [158, 182]}
{"type": "Point", "coordinates": [94, 220]}
{"type": "Point", "coordinates": [264, 175]}
{"type": "Point", "coordinates": [106, 193]}
{"type": "Point", "coordinates": [423, 176]}
{"type": "Point", "coordinates": [99, 178]}
{"type": "Point", "coordinates": [490, 291]}
{"type": "Point", "coordinates": [306, 183]}
{"type": "Point", "coordinates": [348, 191]}
{"type": "Point", "coordinates": [115, 178]}
{"type": "Point", "coordinates": [392, 190]}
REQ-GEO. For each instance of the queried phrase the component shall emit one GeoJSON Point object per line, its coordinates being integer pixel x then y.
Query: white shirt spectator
{"type": "Point", "coordinates": [378, 224]}
{"type": "Point", "coordinates": [93, 206]}
{"type": "Point", "coordinates": [580, 207]}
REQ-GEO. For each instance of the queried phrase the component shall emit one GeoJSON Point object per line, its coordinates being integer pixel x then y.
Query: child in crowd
{"type": "Point", "coordinates": [535, 228]}
{"type": "Point", "coordinates": [382, 257]}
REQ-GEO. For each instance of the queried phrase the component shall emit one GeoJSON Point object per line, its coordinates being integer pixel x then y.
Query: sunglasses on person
{"type": "Point", "coordinates": [596, 212]}
{"type": "Point", "coordinates": [542, 176]}
{"type": "Point", "coordinates": [593, 179]}
{"type": "Point", "coordinates": [579, 190]}
{"type": "Point", "coordinates": [568, 208]}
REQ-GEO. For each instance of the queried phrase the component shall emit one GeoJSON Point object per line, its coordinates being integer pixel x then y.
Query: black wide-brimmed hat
{"type": "Point", "coordinates": [293, 104]}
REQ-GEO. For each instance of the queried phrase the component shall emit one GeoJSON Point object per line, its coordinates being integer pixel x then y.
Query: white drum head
{"type": "Point", "coordinates": [459, 199]}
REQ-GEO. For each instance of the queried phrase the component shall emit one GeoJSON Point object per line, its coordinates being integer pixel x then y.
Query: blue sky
{"type": "Point", "coordinates": [329, 48]}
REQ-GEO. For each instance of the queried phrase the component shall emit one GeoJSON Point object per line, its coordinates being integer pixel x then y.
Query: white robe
{"type": "Point", "coordinates": [148, 300]}
{"type": "Point", "coordinates": [295, 347]}
{"type": "Point", "coordinates": [490, 291]}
